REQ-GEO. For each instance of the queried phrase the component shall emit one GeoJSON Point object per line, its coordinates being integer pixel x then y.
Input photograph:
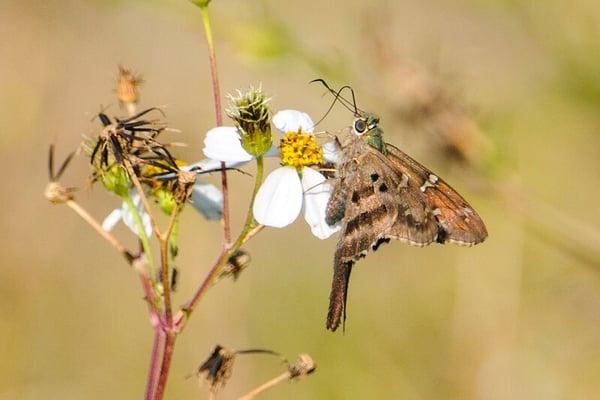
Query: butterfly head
{"type": "Point", "coordinates": [366, 126]}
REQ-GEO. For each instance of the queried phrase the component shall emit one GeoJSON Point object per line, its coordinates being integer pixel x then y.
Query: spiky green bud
{"type": "Point", "coordinates": [252, 116]}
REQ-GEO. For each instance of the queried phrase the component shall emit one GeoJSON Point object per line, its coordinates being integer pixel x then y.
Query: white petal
{"type": "Point", "coordinates": [331, 152]}
{"type": "Point", "coordinates": [279, 199]}
{"type": "Point", "coordinates": [223, 143]}
{"type": "Point", "coordinates": [111, 220]}
{"type": "Point", "coordinates": [127, 215]}
{"type": "Point", "coordinates": [292, 120]}
{"type": "Point", "coordinates": [208, 200]}
{"type": "Point", "coordinates": [316, 195]}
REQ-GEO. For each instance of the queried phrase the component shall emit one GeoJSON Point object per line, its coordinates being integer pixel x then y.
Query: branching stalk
{"type": "Point", "coordinates": [250, 227]}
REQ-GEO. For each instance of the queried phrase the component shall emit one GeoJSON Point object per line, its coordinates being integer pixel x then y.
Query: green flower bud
{"type": "Point", "coordinates": [165, 200]}
{"type": "Point", "coordinates": [252, 116]}
{"type": "Point", "coordinates": [115, 179]}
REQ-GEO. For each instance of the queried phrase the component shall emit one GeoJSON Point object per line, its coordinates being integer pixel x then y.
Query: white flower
{"type": "Point", "coordinates": [290, 188]}
{"type": "Point", "coordinates": [295, 186]}
{"type": "Point", "coordinates": [124, 213]}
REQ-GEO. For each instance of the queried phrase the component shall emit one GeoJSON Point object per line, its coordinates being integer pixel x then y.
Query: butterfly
{"type": "Point", "coordinates": [380, 194]}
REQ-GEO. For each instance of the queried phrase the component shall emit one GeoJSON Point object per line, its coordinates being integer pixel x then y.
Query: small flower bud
{"type": "Point", "coordinates": [115, 179]}
{"type": "Point", "coordinates": [165, 200]}
{"type": "Point", "coordinates": [252, 116]}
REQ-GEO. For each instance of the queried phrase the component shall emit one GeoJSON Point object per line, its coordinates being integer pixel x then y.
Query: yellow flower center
{"type": "Point", "coordinates": [299, 149]}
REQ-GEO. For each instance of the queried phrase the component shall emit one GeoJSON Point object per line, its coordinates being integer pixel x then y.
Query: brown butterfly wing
{"type": "Point", "coordinates": [376, 204]}
{"type": "Point", "coordinates": [457, 221]}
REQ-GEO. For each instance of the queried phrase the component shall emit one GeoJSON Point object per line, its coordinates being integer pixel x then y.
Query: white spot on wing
{"type": "Point", "coordinates": [403, 182]}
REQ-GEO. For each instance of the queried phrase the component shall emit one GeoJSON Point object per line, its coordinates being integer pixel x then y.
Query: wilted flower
{"type": "Point", "coordinates": [236, 264]}
{"type": "Point", "coordinates": [127, 88]}
{"type": "Point", "coordinates": [216, 370]}
{"type": "Point", "coordinates": [304, 365]}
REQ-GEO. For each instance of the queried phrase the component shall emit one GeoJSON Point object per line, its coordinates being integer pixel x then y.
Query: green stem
{"type": "Point", "coordinates": [143, 237]}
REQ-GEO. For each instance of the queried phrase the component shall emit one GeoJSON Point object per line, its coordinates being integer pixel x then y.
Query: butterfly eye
{"type": "Point", "coordinates": [360, 126]}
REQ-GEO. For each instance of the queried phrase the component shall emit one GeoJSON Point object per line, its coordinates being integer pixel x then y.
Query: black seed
{"type": "Point", "coordinates": [355, 197]}
{"type": "Point", "coordinates": [374, 177]}
{"type": "Point", "coordinates": [383, 188]}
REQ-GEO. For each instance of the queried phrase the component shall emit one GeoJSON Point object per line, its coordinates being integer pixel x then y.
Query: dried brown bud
{"type": "Point", "coordinates": [185, 182]}
{"type": "Point", "coordinates": [216, 370]}
{"type": "Point", "coordinates": [304, 365]}
{"type": "Point", "coordinates": [236, 264]}
{"type": "Point", "coordinates": [127, 87]}
{"type": "Point", "coordinates": [56, 193]}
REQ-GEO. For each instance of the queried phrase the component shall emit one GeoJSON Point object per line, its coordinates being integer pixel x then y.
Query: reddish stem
{"type": "Point", "coordinates": [190, 305]}
{"type": "Point", "coordinates": [167, 355]}
{"type": "Point", "coordinates": [154, 363]}
{"type": "Point", "coordinates": [214, 73]}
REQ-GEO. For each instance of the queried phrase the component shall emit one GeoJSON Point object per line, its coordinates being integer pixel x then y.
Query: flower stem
{"type": "Point", "coordinates": [98, 228]}
{"type": "Point", "coordinates": [249, 227]}
{"type": "Point", "coordinates": [213, 64]}
{"type": "Point", "coordinates": [218, 117]}
{"type": "Point", "coordinates": [142, 233]}
{"type": "Point", "coordinates": [267, 385]}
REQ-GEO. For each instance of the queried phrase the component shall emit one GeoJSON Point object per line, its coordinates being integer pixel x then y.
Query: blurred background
{"type": "Point", "coordinates": [500, 97]}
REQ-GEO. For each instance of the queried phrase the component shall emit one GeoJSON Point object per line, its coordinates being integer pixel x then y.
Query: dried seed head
{"type": "Point", "coordinates": [216, 370]}
{"type": "Point", "coordinates": [252, 116]}
{"type": "Point", "coordinates": [238, 261]}
{"type": "Point", "coordinates": [127, 87]}
{"type": "Point", "coordinates": [183, 189]}
{"type": "Point", "coordinates": [56, 193]}
{"type": "Point", "coordinates": [304, 365]}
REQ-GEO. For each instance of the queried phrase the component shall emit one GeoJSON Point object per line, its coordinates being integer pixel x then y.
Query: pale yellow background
{"type": "Point", "coordinates": [514, 318]}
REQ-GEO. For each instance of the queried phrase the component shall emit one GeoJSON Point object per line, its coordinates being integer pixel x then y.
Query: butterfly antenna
{"type": "Point", "coordinates": [336, 98]}
{"type": "Point", "coordinates": [350, 105]}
